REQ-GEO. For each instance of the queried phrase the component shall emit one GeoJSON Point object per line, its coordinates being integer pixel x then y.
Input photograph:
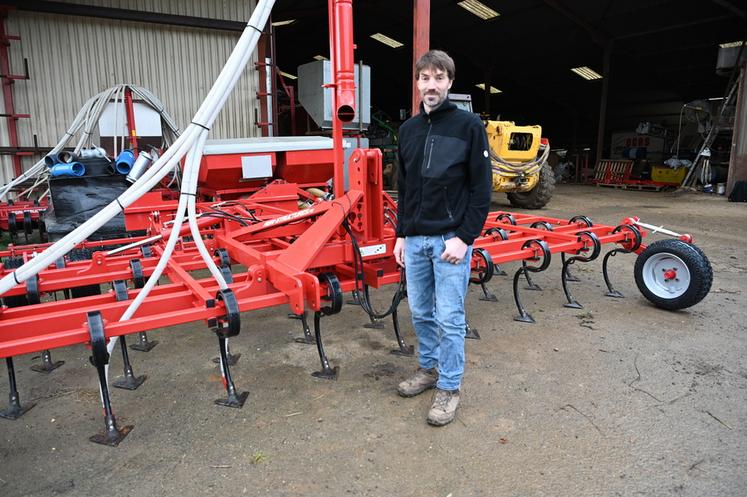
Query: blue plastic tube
{"type": "Point", "coordinates": [68, 169]}
{"type": "Point", "coordinates": [124, 162]}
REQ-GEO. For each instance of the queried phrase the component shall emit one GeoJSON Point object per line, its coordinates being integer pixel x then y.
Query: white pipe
{"type": "Point", "coordinates": [657, 229]}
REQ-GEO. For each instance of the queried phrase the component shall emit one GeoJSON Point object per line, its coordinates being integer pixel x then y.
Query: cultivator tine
{"type": "Point", "coordinates": [525, 269]}
{"type": "Point", "coordinates": [227, 274]}
{"type": "Point", "coordinates": [374, 324]}
{"type": "Point", "coordinates": [531, 285]}
{"type": "Point", "coordinates": [12, 227]}
{"type": "Point", "coordinates": [129, 381]}
{"type": "Point", "coordinates": [225, 270]}
{"type": "Point", "coordinates": [628, 247]}
{"type": "Point", "coordinates": [567, 271]}
{"type": "Point", "coordinates": [611, 292]}
{"type": "Point", "coordinates": [523, 316]}
{"type": "Point", "coordinates": [14, 410]}
{"type": "Point", "coordinates": [33, 297]}
{"type": "Point", "coordinates": [27, 226]}
{"type": "Point", "coordinates": [307, 338]}
{"type": "Point", "coordinates": [47, 364]}
{"type": "Point", "coordinates": [404, 349]}
{"type": "Point", "coordinates": [231, 358]}
{"type": "Point", "coordinates": [327, 372]}
{"type": "Point", "coordinates": [229, 326]}
{"type": "Point", "coordinates": [487, 295]}
{"type": "Point", "coordinates": [112, 435]}
{"type": "Point", "coordinates": [504, 236]}
{"type": "Point", "coordinates": [470, 332]}
{"type": "Point", "coordinates": [233, 399]}
{"type": "Point", "coordinates": [143, 344]}
{"type": "Point", "coordinates": [596, 247]}
{"type": "Point", "coordinates": [356, 300]}
{"type": "Point", "coordinates": [138, 279]}
{"type": "Point", "coordinates": [483, 272]}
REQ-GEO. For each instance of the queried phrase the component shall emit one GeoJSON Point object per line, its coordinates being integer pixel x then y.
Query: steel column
{"type": "Point", "coordinates": [421, 30]}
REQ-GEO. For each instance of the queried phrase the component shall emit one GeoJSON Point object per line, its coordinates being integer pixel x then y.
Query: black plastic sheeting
{"type": "Point", "coordinates": [76, 199]}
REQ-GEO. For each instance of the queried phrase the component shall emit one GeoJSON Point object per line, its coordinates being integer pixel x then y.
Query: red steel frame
{"type": "Point", "coordinates": [18, 208]}
{"type": "Point", "coordinates": [283, 250]}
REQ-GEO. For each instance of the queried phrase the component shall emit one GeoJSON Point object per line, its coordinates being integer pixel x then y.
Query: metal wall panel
{"type": "Point", "coordinates": [73, 58]}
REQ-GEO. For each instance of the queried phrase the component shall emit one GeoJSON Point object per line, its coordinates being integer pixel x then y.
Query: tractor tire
{"type": "Point", "coordinates": [673, 274]}
{"type": "Point", "coordinates": [540, 195]}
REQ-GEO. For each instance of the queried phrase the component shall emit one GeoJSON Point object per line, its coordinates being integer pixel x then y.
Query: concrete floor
{"type": "Point", "coordinates": [619, 398]}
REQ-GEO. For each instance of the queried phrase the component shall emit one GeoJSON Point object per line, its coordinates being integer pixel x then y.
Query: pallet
{"type": "Point", "coordinates": [612, 173]}
{"type": "Point", "coordinates": [636, 186]}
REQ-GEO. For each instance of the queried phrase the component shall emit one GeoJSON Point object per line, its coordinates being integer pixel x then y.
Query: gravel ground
{"type": "Point", "coordinates": [617, 399]}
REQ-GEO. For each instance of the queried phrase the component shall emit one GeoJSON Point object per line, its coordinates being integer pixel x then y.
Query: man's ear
{"type": "Point", "coordinates": [451, 82]}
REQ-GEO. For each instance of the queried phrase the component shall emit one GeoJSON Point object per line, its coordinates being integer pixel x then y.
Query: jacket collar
{"type": "Point", "coordinates": [445, 107]}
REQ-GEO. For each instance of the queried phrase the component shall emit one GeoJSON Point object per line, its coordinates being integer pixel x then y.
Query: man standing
{"type": "Point", "coordinates": [444, 183]}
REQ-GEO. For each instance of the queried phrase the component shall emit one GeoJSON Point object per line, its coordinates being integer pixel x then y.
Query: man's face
{"type": "Point", "coordinates": [433, 85]}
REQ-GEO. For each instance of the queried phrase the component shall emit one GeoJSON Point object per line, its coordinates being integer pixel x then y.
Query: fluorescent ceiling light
{"type": "Point", "coordinates": [731, 44]}
{"type": "Point", "coordinates": [479, 9]}
{"type": "Point", "coordinates": [287, 75]}
{"type": "Point", "coordinates": [493, 89]}
{"type": "Point", "coordinates": [386, 40]}
{"type": "Point", "coordinates": [712, 99]}
{"type": "Point", "coordinates": [320, 57]}
{"type": "Point", "coordinates": [586, 73]}
{"type": "Point", "coordinates": [287, 22]}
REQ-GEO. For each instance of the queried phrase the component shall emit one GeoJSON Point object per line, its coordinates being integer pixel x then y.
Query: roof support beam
{"type": "Point", "coordinates": [731, 7]}
{"type": "Point", "coordinates": [600, 38]}
{"type": "Point", "coordinates": [673, 27]}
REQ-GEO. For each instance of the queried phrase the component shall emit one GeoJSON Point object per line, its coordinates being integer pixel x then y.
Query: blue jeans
{"type": "Point", "coordinates": [435, 292]}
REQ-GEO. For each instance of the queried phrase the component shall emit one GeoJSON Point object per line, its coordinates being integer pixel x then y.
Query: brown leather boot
{"type": "Point", "coordinates": [422, 380]}
{"type": "Point", "coordinates": [443, 410]}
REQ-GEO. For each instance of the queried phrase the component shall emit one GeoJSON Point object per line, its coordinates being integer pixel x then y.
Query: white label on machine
{"type": "Point", "coordinates": [256, 166]}
{"type": "Point", "coordinates": [373, 250]}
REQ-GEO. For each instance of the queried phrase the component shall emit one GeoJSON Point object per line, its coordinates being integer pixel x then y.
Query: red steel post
{"type": "Point", "coordinates": [131, 128]}
{"type": "Point", "coordinates": [8, 95]}
{"type": "Point", "coordinates": [421, 32]}
{"type": "Point", "coordinates": [343, 80]}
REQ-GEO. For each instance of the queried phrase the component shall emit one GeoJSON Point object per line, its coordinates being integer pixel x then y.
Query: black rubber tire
{"type": "Point", "coordinates": [540, 195]}
{"type": "Point", "coordinates": [701, 273]}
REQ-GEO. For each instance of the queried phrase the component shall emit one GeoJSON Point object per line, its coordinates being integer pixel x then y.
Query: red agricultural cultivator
{"type": "Point", "coordinates": [287, 239]}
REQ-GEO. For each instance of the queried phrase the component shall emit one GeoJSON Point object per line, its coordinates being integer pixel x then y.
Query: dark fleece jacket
{"type": "Point", "coordinates": [445, 175]}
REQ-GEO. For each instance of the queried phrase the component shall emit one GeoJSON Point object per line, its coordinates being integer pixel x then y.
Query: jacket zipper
{"type": "Point", "coordinates": [426, 151]}
{"type": "Point", "coordinates": [446, 202]}
{"type": "Point", "coordinates": [430, 153]}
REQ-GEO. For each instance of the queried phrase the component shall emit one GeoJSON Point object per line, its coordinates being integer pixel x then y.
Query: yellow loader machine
{"type": "Point", "coordinates": [520, 168]}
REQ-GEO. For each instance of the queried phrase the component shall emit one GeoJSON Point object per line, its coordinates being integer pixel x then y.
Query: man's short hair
{"type": "Point", "coordinates": [435, 59]}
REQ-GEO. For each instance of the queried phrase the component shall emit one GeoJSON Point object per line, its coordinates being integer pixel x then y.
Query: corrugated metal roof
{"type": "Point", "coordinates": [73, 58]}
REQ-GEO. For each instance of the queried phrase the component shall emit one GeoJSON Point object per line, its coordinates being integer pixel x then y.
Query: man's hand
{"type": "Point", "coordinates": [399, 251]}
{"type": "Point", "coordinates": [454, 251]}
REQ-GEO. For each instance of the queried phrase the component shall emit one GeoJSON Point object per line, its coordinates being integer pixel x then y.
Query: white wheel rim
{"type": "Point", "coordinates": [666, 275]}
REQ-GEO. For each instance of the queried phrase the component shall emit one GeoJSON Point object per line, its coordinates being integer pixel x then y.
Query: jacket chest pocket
{"type": "Point", "coordinates": [441, 153]}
